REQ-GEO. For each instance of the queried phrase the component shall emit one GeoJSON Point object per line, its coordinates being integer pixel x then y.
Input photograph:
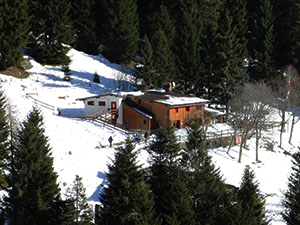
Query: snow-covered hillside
{"type": "Point", "coordinates": [81, 147]}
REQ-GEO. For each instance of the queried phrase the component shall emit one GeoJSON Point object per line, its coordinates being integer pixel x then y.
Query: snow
{"type": "Point", "coordinates": [172, 100]}
{"type": "Point", "coordinates": [81, 146]}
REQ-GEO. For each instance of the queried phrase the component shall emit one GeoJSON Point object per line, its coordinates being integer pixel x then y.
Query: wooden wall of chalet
{"type": "Point", "coordinates": [164, 113]}
{"type": "Point", "coordinates": [134, 120]}
{"type": "Point", "coordinates": [159, 110]}
{"type": "Point", "coordinates": [180, 116]}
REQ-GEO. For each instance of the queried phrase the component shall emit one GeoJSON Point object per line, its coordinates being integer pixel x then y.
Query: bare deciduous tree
{"type": "Point", "coordinates": [250, 108]}
{"type": "Point", "coordinates": [294, 97]}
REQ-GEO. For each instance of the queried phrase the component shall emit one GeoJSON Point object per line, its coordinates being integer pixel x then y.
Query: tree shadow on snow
{"type": "Point", "coordinates": [95, 196]}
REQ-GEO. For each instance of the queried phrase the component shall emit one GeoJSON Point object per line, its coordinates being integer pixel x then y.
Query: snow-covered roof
{"type": "Point", "coordinates": [213, 112]}
{"type": "Point", "coordinates": [171, 98]}
{"type": "Point", "coordinates": [142, 112]}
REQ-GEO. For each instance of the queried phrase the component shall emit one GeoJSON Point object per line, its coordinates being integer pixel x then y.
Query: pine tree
{"type": "Point", "coordinates": [83, 213]}
{"type": "Point", "coordinates": [34, 188]}
{"type": "Point", "coordinates": [163, 58]}
{"type": "Point", "coordinates": [228, 71]}
{"type": "Point", "coordinates": [84, 24]}
{"type": "Point", "coordinates": [211, 200]}
{"type": "Point", "coordinates": [250, 200]}
{"type": "Point", "coordinates": [14, 25]}
{"type": "Point", "coordinates": [4, 134]}
{"type": "Point", "coordinates": [188, 44]}
{"type": "Point", "coordinates": [127, 199]}
{"type": "Point", "coordinates": [120, 32]}
{"type": "Point", "coordinates": [145, 70]}
{"type": "Point", "coordinates": [262, 63]}
{"type": "Point", "coordinates": [51, 29]}
{"type": "Point", "coordinates": [172, 202]}
{"type": "Point", "coordinates": [291, 201]}
{"type": "Point", "coordinates": [67, 72]}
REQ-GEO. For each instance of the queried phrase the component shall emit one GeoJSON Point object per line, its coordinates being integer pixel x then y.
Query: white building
{"type": "Point", "coordinates": [109, 104]}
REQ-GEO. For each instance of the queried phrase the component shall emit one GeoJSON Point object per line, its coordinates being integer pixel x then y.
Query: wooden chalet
{"type": "Point", "coordinates": [146, 111]}
{"type": "Point", "coordinates": [155, 109]}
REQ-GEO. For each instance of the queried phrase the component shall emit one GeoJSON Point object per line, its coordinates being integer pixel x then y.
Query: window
{"type": "Point", "coordinates": [139, 101]}
{"type": "Point", "coordinates": [144, 121]}
{"type": "Point", "coordinates": [176, 110]}
{"type": "Point", "coordinates": [188, 108]}
{"type": "Point", "coordinates": [101, 103]}
{"type": "Point", "coordinates": [92, 103]}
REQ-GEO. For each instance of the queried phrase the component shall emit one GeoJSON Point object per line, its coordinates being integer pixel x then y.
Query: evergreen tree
{"type": "Point", "coordinates": [120, 31]}
{"type": "Point", "coordinates": [228, 69]}
{"type": "Point", "coordinates": [14, 25]}
{"type": "Point", "coordinates": [262, 59]}
{"type": "Point", "coordinates": [84, 24]}
{"type": "Point", "coordinates": [250, 200]}
{"type": "Point", "coordinates": [172, 202]}
{"type": "Point", "coordinates": [83, 213]}
{"type": "Point", "coordinates": [51, 29]}
{"type": "Point", "coordinates": [127, 199]}
{"type": "Point", "coordinates": [210, 198]}
{"type": "Point", "coordinates": [4, 134]}
{"type": "Point", "coordinates": [287, 19]}
{"type": "Point", "coordinates": [145, 70]}
{"type": "Point", "coordinates": [67, 72]}
{"type": "Point", "coordinates": [188, 42]}
{"type": "Point", "coordinates": [34, 188]}
{"type": "Point", "coordinates": [163, 59]}
{"type": "Point", "coordinates": [291, 201]}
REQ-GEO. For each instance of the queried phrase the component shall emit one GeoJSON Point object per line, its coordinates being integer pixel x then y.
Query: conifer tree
{"type": "Point", "coordinates": [210, 198]}
{"type": "Point", "coordinates": [228, 71]}
{"type": "Point", "coordinates": [262, 59]}
{"type": "Point", "coordinates": [83, 213]}
{"type": "Point", "coordinates": [51, 30]}
{"type": "Point", "coordinates": [291, 201]}
{"type": "Point", "coordinates": [163, 58]}
{"type": "Point", "coordinates": [4, 134]}
{"type": "Point", "coordinates": [120, 32]}
{"type": "Point", "coordinates": [127, 199]}
{"type": "Point", "coordinates": [14, 25]}
{"type": "Point", "coordinates": [84, 24]}
{"type": "Point", "coordinates": [188, 44]}
{"type": "Point", "coordinates": [172, 202]}
{"type": "Point", "coordinates": [250, 200]}
{"type": "Point", "coordinates": [34, 188]}
{"type": "Point", "coordinates": [145, 70]}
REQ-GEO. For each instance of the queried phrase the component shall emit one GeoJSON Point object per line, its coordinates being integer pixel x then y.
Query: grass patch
{"type": "Point", "coordinates": [15, 72]}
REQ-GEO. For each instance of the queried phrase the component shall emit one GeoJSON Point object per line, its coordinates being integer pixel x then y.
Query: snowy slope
{"type": "Point", "coordinates": [81, 147]}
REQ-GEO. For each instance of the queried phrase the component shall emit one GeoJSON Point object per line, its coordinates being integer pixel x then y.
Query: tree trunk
{"type": "Point", "coordinates": [257, 135]}
{"type": "Point", "coordinates": [241, 149]}
{"type": "Point", "coordinates": [292, 127]}
{"type": "Point", "coordinates": [282, 127]}
{"type": "Point", "coordinates": [231, 141]}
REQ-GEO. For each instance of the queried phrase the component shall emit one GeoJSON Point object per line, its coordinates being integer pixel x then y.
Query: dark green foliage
{"type": "Point", "coordinates": [262, 59]}
{"type": "Point", "coordinates": [4, 133]}
{"type": "Point", "coordinates": [67, 72]}
{"type": "Point", "coordinates": [84, 24]}
{"type": "Point", "coordinates": [119, 30]}
{"type": "Point", "coordinates": [172, 202]}
{"type": "Point", "coordinates": [251, 202]}
{"type": "Point", "coordinates": [127, 199]}
{"type": "Point", "coordinates": [228, 70]}
{"type": "Point", "coordinates": [14, 25]}
{"type": "Point", "coordinates": [96, 78]}
{"type": "Point", "coordinates": [82, 213]}
{"type": "Point", "coordinates": [188, 42]}
{"type": "Point", "coordinates": [211, 200]}
{"type": "Point", "coordinates": [163, 59]}
{"type": "Point", "coordinates": [34, 184]}
{"type": "Point", "coordinates": [291, 201]}
{"type": "Point", "coordinates": [145, 70]}
{"type": "Point", "coordinates": [51, 29]}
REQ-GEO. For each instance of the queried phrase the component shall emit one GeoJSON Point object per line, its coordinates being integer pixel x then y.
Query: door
{"type": "Point", "coordinates": [113, 106]}
{"type": "Point", "coordinates": [114, 112]}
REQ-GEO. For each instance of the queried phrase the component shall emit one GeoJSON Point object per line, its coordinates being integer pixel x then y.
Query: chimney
{"type": "Point", "coordinates": [168, 87]}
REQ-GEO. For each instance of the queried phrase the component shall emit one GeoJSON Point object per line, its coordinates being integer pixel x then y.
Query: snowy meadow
{"type": "Point", "coordinates": [80, 147]}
